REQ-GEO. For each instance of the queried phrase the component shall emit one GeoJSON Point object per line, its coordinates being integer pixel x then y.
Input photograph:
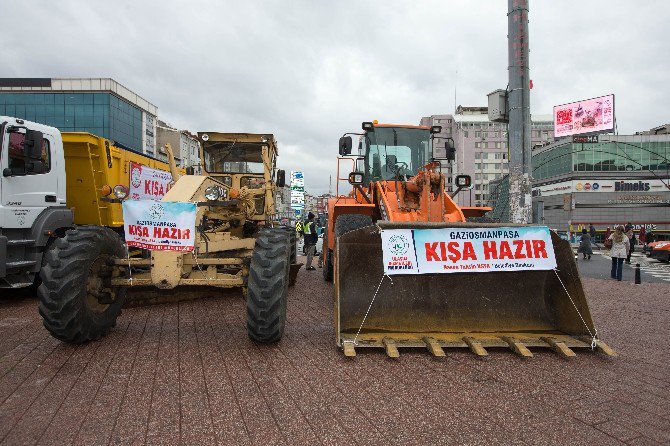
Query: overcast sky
{"type": "Point", "coordinates": [310, 70]}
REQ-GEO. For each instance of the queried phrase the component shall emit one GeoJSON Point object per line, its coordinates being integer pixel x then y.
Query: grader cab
{"type": "Point", "coordinates": [235, 245]}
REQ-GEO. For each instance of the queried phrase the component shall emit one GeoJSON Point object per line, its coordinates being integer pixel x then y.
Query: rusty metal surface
{"type": "Point", "coordinates": [528, 303]}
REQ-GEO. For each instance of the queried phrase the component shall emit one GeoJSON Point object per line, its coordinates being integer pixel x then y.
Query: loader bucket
{"type": "Point", "coordinates": [515, 309]}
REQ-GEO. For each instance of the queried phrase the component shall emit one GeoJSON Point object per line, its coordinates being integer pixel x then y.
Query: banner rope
{"type": "Point", "coordinates": [594, 334]}
{"type": "Point", "coordinates": [355, 341]}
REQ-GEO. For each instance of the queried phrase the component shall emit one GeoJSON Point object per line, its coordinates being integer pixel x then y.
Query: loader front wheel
{"type": "Point", "coordinates": [267, 286]}
{"type": "Point", "coordinates": [77, 303]}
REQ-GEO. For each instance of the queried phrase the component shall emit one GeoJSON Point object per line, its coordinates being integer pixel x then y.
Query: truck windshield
{"type": "Point", "coordinates": [393, 152]}
{"type": "Point", "coordinates": [233, 157]}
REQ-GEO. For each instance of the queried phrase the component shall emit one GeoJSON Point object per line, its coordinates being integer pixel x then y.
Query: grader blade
{"type": "Point", "coordinates": [513, 310]}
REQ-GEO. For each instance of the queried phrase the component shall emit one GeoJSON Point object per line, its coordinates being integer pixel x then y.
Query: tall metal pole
{"type": "Point", "coordinates": [520, 181]}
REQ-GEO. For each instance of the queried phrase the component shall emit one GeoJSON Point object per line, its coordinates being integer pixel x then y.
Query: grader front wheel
{"type": "Point", "coordinates": [267, 286]}
{"type": "Point", "coordinates": [76, 301]}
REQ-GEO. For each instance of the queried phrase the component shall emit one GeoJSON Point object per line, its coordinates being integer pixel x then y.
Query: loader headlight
{"type": "Point", "coordinates": [120, 191]}
{"type": "Point", "coordinates": [355, 178]}
{"type": "Point", "coordinates": [213, 193]}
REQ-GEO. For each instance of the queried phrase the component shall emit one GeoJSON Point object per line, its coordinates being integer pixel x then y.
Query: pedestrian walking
{"type": "Point", "coordinates": [585, 245]}
{"type": "Point", "coordinates": [311, 239]}
{"type": "Point", "coordinates": [631, 240]}
{"type": "Point", "coordinates": [628, 227]}
{"type": "Point", "coordinates": [619, 252]}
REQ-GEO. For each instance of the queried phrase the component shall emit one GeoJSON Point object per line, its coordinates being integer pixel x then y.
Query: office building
{"type": "Point", "coordinates": [184, 144]}
{"type": "Point", "coordinates": [100, 106]}
{"type": "Point", "coordinates": [481, 148]}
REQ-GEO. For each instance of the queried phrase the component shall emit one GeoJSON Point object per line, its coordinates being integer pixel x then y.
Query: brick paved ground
{"type": "Point", "coordinates": [186, 373]}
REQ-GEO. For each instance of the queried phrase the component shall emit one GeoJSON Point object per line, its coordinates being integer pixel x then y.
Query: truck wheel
{"type": "Point", "coordinates": [76, 303]}
{"type": "Point", "coordinates": [327, 259]}
{"type": "Point", "coordinates": [267, 287]}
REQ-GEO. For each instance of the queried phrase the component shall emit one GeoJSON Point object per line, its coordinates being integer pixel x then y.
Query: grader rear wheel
{"type": "Point", "coordinates": [76, 301]}
{"type": "Point", "coordinates": [267, 286]}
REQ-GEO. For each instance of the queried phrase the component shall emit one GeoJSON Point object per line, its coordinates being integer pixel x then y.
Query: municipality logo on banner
{"type": "Point", "coordinates": [159, 225]}
{"type": "Point", "coordinates": [452, 250]}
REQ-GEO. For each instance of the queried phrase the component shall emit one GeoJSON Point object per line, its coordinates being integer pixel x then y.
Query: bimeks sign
{"type": "Point", "coordinates": [588, 116]}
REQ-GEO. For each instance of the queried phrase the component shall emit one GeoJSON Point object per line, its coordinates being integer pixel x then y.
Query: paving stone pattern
{"type": "Point", "coordinates": [187, 374]}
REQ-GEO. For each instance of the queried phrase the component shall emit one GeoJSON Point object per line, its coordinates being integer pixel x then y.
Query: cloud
{"type": "Point", "coordinates": [309, 71]}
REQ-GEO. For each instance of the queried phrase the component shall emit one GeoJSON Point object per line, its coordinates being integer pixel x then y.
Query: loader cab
{"type": "Point", "coordinates": [393, 152]}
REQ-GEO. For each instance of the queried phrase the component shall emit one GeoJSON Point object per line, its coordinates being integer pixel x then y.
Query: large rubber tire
{"type": "Point", "coordinates": [75, 270]}
{"type": "Point", "coordinates": [267, 286]}
{"type": "Point", "coordinates": [351, 222]}
{"type": "Point", "coordinates": [327, 268]}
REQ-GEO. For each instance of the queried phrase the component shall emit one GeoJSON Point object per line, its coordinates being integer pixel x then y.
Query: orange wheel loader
{"type": "Point", "coordinates": [398, 184]}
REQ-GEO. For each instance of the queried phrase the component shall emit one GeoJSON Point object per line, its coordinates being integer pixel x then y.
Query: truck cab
{"type": "Point", "coordinates": [32, 197]}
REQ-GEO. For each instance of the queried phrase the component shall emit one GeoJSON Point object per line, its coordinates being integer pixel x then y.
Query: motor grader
{"type": "Point", "coordinates": [398, 184]}
{"type": "Point", "coordinates": [87, 272]}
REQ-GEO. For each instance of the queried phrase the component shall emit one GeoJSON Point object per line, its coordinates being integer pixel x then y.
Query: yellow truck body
{"type": "Point", "coordinates": [92, 162]}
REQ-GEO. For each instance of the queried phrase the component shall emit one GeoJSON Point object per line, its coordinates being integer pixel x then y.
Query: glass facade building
{"type": "Point", "coordinates": [623, 154]}
{"type": "Point", "coordinates": [100, 106]}
{"type": "Point", "coordinates": [619, 179]}
{"type": "Point", "coordinates": [100, 113]}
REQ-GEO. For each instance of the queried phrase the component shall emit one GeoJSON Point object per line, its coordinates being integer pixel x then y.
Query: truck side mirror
{"type": "Point", "coordinates": [32, 145]}
{"type": "Point", "coordinates": [281, 178]}
{"type": "Point", "coordinates": [345, 145]}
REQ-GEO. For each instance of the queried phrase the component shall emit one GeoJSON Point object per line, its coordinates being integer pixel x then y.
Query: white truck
{"type": "Point", "coordinates": [52, 182]}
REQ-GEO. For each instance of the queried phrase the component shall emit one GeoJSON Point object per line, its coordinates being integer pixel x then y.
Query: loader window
{"type": "Point", "coordinates": [393, 152]}
{"type": "Point", "coordinates": [233, 157]}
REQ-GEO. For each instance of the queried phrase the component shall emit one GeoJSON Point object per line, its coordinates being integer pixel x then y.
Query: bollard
{"type": "Point", "coordinates": [638, 279]}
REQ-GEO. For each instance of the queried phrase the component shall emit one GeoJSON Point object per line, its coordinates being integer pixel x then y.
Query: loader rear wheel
{"type": "Point", "coordinates": [351, 222]}
{"type": "Point", "coordinates": [267, 287]}
{"type": "Point", "coordinates": [76, 301]}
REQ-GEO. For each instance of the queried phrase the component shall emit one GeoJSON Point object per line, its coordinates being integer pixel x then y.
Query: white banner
{"type": "Point", "coordinates": [159, 225]}
{"type": "Point", "coordinates": [147, 183]}
{"type": "Point", "coordinates": [452, 250]}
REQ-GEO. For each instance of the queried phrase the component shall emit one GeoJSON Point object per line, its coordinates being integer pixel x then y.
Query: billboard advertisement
{"type": "Point", "coordinates": [589, 116]}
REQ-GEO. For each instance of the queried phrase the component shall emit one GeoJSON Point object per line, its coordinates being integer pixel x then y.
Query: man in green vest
{"type": "Point", "coordinates": [311, 238]}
